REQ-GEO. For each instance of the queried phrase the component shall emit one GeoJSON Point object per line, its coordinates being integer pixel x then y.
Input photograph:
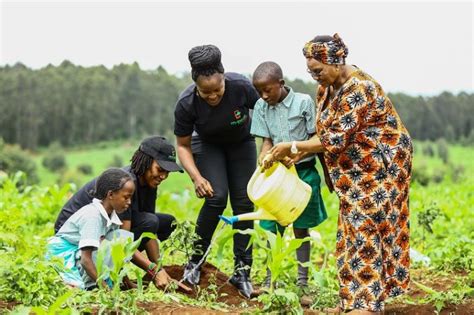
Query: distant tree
{"type": "Point", "coordinates": [76, 105]}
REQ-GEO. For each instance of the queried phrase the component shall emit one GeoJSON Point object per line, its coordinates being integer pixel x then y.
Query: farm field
{"type": "Point", "coordinates": [442, 237]}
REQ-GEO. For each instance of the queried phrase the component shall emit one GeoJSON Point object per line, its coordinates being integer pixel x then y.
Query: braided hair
{"type": "Point", "coordinates": [113, 179]}
{"type": "Point", "coordinates": [205, 60]}
{"type": "Point", "coordinates": [141, 162]}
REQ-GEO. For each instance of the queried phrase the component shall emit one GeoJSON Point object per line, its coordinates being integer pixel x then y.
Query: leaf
{"type": "Point", "coordinates": [56, 306]}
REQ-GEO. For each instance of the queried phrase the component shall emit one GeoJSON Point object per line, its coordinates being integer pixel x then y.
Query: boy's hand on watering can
{"type": "Point", "coordinates": [203, 187]}
{"type": "Point", "coordinates": [229, 220]}
{"type": "Point", "coordinates": [267, 161]}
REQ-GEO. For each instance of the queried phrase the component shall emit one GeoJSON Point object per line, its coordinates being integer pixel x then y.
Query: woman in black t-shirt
{"type": "Point", "coordinates": [212, 127]}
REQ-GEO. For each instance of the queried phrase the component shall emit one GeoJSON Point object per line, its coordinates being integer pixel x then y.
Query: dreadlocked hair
{"type": "Point", "coordinates": [113, 179]}
{"type": "Point", "coordinates": [205, 60]}
{"type": "Point", "coordinates": [141, 162]}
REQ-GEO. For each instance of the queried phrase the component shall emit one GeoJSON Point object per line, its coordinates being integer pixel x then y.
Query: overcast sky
{"type": "Point", "coordinates": [416, 48]}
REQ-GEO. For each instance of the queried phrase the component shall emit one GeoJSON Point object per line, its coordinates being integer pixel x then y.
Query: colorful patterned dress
{"type": "Point", "coordinates": [369, 159]}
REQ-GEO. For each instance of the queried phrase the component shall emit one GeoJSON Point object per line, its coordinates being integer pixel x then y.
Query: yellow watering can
{"type": "Point", "coordinates": [278, 193]}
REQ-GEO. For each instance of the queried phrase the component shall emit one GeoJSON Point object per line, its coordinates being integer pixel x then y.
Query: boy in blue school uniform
{"type": "Point", "coordinates": [282, 115]}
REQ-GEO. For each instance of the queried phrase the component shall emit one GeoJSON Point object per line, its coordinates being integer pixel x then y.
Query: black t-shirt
{"type": "Point", "coordinates": [143, 200]}
{"type": "Point", "coordinates": [228, 122]}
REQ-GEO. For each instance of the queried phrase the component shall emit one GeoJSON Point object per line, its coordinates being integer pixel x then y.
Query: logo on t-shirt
{"type": "Point", "coordinates": [237, 114]}
{"type": "Point", "coordinates": [239, 119]}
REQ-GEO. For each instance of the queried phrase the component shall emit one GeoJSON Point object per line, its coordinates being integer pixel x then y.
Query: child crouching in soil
{"type": "Point", "coordinates": [80, 237]}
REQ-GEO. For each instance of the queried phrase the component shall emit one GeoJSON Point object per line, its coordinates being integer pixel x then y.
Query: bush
{"type": "Point", "coordinates": [443, 150]}
{"type": "Point", "coordinates": [428, 150]}
{"type": "Point", "coordinates": [30, 281]}
{"type": "Point", "coordinates": [116, 161]}
{"type": "Point", "coordinates": [70, 177]}
{"type": "Point", "coordinates": [438, 176]}
{"type": "Point", "coordinates": [457, 172]}
{"type": "Point", "coordinates": [420, 175]}
{"type": "Point", "coordinates": [14, 159]}
{"type": "Point", "coordinates": [85, 169]}
{"type": "Point", "coordinates": [54, 162]}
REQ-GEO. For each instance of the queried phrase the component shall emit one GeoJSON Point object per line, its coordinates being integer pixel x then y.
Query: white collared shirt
{"type": "Point", "coordinates": [89, 225]}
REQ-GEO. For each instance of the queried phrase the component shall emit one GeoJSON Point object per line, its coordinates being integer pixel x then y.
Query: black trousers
{"type": "Point", "coordinates": [160, 224]}
{"type": "Point", "coordinates": [228, 168]}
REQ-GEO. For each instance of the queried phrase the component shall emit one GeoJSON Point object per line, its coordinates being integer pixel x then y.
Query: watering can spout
{"type": "Point", "coordinates": [260, 214]}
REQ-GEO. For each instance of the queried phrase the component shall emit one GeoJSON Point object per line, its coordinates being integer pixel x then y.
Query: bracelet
{"type": "Point", "coordinates": [153, 270]}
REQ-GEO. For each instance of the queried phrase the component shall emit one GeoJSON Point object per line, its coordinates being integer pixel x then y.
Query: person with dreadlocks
{"type": "Point", "coordinates": [368, 152]}
{"type": "Point", "coordinates": [151, 164]}
{"type": "Point", "coordinates": [212, 127]}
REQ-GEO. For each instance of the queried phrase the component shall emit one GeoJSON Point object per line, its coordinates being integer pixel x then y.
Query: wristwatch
{"type": "Point", "coordinates": [294, 149]}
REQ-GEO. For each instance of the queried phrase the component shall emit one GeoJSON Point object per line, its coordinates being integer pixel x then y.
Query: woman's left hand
{"type": "Point", "coordinates": [281, 150]}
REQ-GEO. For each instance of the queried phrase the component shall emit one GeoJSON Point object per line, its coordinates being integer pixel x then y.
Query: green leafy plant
{"type": "Point", "coordinates": [455, 295]}
{"type": "Point", "coordinates": [426, 219]}
{"type": "Point", "coordinates": [209, 294]}
{"type": "Point", "coordinates": [279, 258]}
{"type": "Point", "coordinates": [30, 281]}
{"type": "Point", "coordinates": [181, 240]}
{"type": "Point", "coordinates": [120, 250]}
{"type": "Point", "coordinates": [57, 307]}
{"type": "Point", "coordinates": [280, 301]}
{"type": "Point", "coordinates": [324, 278]}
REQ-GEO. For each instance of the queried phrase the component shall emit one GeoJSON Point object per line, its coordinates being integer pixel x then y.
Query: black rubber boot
{"type": "Point", "coordinates": [192, 275]}
{"type": "Point", "coordinates": [241, 280]}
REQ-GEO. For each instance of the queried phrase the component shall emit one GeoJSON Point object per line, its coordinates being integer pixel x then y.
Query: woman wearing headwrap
{"type": "Point", "coordinates": [368, 153]}
{"type": "Point", "coordinates": [212, 127]}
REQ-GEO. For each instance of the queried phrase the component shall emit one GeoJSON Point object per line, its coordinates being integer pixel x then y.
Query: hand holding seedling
{"type": "Point", "coordinates": [163, 280]}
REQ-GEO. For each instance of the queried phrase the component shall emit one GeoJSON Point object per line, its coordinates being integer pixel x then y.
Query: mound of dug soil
{"type": "Point", "coordinates": [227, 293]}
